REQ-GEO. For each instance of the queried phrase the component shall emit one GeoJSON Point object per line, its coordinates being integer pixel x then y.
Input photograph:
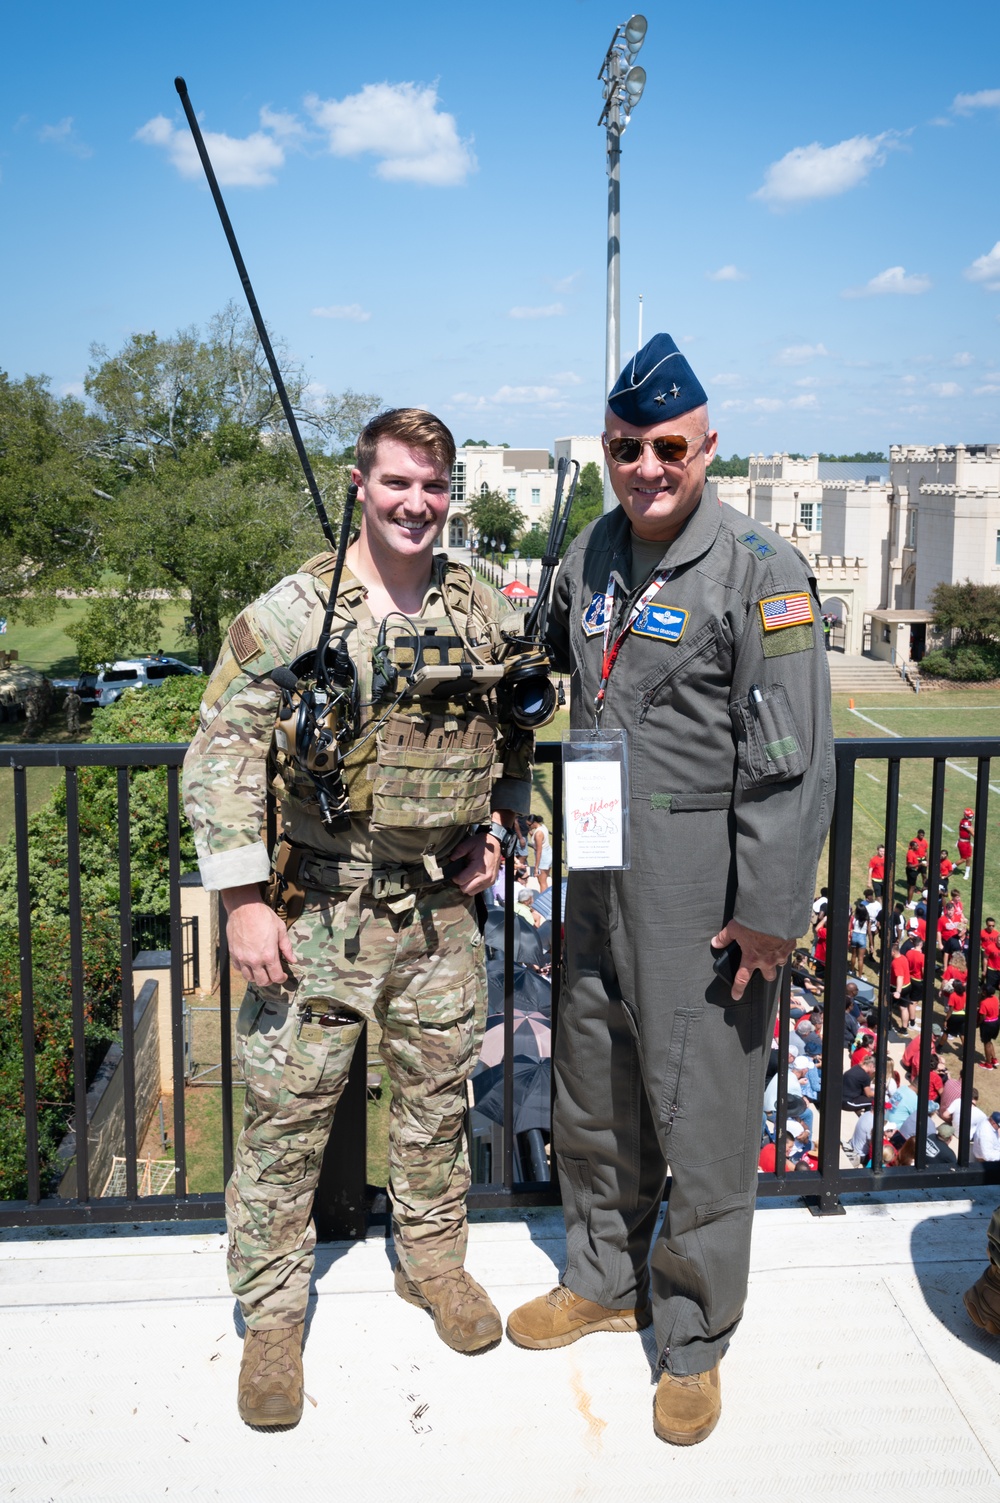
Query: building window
{"type": "Point", "coordinates": [536, 497]}
{"type": "Point", "coordinates": [458, 480]}
{"type": "Point", "coordinates": [806, 515]}
{"type": "Point", "coordinates": [484, 489]}
{"type": "Point", "coordinates": [456, 532]}
{"type": "Point", "coordinates": [819, 516]}
{"type": "Point", "coordinates": [911, 528]}
{"type": "Point", "coordinates": [512, 493]}
{"type": "Point", "coordinates": [998, 547]}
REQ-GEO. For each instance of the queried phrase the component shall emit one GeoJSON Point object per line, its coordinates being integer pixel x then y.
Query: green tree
{"type": "Point", "coordinates": [870, 456]}
{"type": "Point", "coordinates": [532, 543]}
{"type": "Point", "coordinates": [972, 610]}
{"type": "Point", "coordinates": [48, 475]}
{"type": "Point", "coordinates": [588, 503]}
{"type": "Point", "coordinates": [214, 504]}
{"type": "Point", "coordinates": [730, 468]}
{"type": "Point", "coordinates": [493, 516]}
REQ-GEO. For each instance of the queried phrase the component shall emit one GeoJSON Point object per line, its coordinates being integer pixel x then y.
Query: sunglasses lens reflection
{"type": "Point", "coordinates": [668, 450]}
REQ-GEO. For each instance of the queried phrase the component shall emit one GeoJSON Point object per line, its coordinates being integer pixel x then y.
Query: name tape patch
{"type": "Point", "coordinates": [664, 621]}
{"type": "Point", "coordinates": [593, 616]}
{"type": "Point", "coordinates": [778, 611]}
{"type": "Point", "coordinates": [758, 546]}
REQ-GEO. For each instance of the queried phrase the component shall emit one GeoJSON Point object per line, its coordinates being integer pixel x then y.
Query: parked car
{"type": "Point", "coordinates": [111, 680]}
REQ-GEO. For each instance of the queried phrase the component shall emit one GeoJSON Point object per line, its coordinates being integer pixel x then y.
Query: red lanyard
{"type": "Point", "coordinates": [610, 654]}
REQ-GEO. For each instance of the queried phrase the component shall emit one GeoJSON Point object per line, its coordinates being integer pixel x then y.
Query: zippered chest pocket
{"type": "Point", "coordinates": [705, 645]}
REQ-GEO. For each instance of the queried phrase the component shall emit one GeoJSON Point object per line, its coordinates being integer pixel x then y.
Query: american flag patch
{"type": "Point", "coordinates": [785, 610]}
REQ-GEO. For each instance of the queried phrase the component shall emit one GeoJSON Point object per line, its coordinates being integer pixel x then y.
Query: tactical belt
{"type": "Point", "coordinates": [381, 881]}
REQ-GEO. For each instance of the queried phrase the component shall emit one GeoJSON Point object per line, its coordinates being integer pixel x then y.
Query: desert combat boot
{"type": "Point", "coordinates": [559, 1317]}
{"type": "Point", "coordinates": [270, 1391]}
{"type": "Point", "coordinates": [983, 1301]}
{"type": "Point", "coordinates": [465, 1317]}
{"type": "Point", "coordinates": [686, 1407]}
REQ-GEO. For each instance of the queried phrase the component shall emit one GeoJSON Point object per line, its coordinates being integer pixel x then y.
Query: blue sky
{"type": "Point", "coordinates": [810, 204]}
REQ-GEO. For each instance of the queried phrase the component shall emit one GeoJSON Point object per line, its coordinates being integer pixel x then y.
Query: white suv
{"type": "Point", "coordinates": [135, 673]}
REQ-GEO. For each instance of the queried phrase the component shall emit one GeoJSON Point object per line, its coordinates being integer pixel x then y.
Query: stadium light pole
{"type": "Point", "coordinates": [623, 85]}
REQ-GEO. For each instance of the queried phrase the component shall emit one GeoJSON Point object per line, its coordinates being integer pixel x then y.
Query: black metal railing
{"type": "Point", "coordinates": [344, 1199]}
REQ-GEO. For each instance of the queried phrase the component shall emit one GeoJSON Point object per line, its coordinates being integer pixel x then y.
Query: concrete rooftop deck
{"type": "Point", "coordinates": [856, 1375]}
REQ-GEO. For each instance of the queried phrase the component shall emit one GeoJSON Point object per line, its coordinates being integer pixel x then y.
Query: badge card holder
{"type": "Point", "coordinates": [595, 800]}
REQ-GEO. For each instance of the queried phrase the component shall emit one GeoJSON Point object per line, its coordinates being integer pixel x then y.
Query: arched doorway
{"type": "Point", "coordinates": [456, 533]}
{"type": "Point", "coordinates": [837, 612]}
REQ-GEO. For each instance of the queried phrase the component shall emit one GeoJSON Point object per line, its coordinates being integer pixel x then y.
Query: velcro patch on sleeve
{"type": "Point", "coordinates": [757, 545]}
{"type": "Point", "coordinates": [227, 669]}
{"type": "Point", "coordinates": [780, 611]}
{"type": "Point", "coordinates": [794, 639]}
{"type": "Point", "coordinates": [244, 640]}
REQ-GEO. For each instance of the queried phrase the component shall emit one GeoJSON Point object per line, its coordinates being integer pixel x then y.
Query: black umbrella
{"type": "Point", "coordinates": [527, 945]}
{"type": "Point", "coordinates": [532, 1093]}
{"type": "Point", "coordinates": [532, 993]}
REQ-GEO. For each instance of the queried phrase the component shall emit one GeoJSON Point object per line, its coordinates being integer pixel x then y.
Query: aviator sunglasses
{"type": "Point", "coordinates": [670, 449]}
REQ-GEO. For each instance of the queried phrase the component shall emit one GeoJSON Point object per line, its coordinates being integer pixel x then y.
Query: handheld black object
{"type": "Point", "coordinates": [537, 618]}
{"type": "Point", "coordinates": [255, 314]}
{"type": "Point", "coordinates": [727, 963]}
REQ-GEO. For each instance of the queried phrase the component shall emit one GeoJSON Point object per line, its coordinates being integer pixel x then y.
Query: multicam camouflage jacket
{"type": "Point", "coordinates": [446, 768]}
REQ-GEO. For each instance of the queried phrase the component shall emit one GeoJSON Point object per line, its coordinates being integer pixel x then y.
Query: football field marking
{"type": "Point", "coordinates": [953, 765]}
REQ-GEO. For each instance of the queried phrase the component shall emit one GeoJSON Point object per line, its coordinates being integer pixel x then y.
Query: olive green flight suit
{"type": "Point", "coordinates": [727, 713]}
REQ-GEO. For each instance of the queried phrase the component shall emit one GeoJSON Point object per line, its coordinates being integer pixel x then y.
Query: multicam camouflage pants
{"type": "Point", "coordinates": [420, 975]}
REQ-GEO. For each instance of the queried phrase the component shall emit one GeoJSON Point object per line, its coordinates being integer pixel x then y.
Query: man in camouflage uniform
{"type": "Point", "coordinates": [377, 929]}
{"type": "Point", "coordinates": [71, 704]}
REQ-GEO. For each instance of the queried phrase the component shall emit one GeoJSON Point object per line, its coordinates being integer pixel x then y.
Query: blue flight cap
{"type": "Point", "coordinates": [657, 384]}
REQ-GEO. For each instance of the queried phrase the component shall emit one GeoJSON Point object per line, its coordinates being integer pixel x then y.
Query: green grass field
{"type": "Point", "coordinates": [48, 648]}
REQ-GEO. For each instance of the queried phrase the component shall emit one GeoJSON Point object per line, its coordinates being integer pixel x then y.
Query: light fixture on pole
{"type": "Point", "coordinates": [623, 85]}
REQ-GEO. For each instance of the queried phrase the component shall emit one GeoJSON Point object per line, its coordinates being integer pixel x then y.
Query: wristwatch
{"type": "Point", "coordinates": [507, 839]}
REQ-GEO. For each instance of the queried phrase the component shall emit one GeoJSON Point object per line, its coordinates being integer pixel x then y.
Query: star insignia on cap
{"type": "Point", "coordinates": [675, 391]}
{"type": "Point", "coordinates": [659, 399]}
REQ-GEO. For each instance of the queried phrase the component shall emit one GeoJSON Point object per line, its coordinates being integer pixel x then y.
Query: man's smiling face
{"type": "Point", "coordinates": [659, 497]}
{"type": "Point", "coordinates": [404, 500]}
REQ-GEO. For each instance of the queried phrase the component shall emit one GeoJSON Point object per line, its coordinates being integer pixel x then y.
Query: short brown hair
{"type": "Point", "coordinates": [412, 426]}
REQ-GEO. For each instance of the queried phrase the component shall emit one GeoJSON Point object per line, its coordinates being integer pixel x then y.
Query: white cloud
{"type": "Point", "coordinates": [807, 381]}
{"type": "Point", "coordinates": [989, 390]}
{"type": "Point", "coordinates": [568, 378]}
{"type": "Point", "coordinates": [565, 284]}
{"type": "Point", "coordinates": [550, 310]}
{"type": "Point", "coordinates": [986, 269]}
{"type": "Point", "coordinates": [808, 399]}
{"type": "Point", "coordinates": [798, 354]}
{"type": "Point", "coordinates": [402, 125]}
{"type": "Point", "coordinates": [72, 389]}
{"type": "Point", "coordinates": [727, 274]}
{"type": "Point", "coordinates": [985, 99]}
{"type": "Point", "coordinates": [351, 311]}
{"type": "Point", "coordinates": [945, 388]}
{"type": "Point", "coordinates": [893, 280]}
{"type": "Point", "coordinates": [239, 161]}
{"type": "Point", "coordinates": [815, 171]}
{"type": "Point", "coordinates": [64, 135]}
{"type": "Point", "coordinates": [548, 397]}
{"type": "Point", "coordinates": [283, 126]}
{"type": "Point", "coordinates": [758, 404]}
{"type": "Point", "coordinates": [963, 358]}
{"type": "Point", "coordinates": [726, 378]}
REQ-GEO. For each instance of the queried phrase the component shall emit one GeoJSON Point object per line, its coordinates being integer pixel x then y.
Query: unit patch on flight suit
{"type": "Point", "coordinates": [593, 616]}
{"type": "Point", "coordinates": [758, 546]}
{"type": "Point", "coordinates": [787, 623]}
{"type": "Point", "coordinates": [664, 621]}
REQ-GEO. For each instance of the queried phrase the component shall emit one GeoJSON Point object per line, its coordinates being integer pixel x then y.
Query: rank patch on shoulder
{"type": "Point", "coordinates": [778, 611]}
{"type": "Point", "coordinates": [664, 621]}
{"type": "Point", "coordinates": [593, 616]}
{"type": "Point", "coordinates": [758, 546]}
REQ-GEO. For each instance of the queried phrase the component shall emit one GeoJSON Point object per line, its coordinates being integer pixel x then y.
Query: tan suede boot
{"type": "Point", "coordinates": [465, 1317]}
{"type": "Point", "coordinates": [559, 1317]}
{"type": "Point", "coordinates": [983, 1301]}
{"type": "Point", "coordinates": [686, 1409]}
{"type": "Point", "coordinates": [270, 1390]}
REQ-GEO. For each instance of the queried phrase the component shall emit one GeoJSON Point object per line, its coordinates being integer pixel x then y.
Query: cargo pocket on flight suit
{"type": "Point", "coordinates": [433, 770]}
{"type": "Point", "coordinates": [768, 743]}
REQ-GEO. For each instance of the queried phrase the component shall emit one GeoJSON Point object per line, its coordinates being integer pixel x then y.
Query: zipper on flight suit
{"type": "Point", "coordinates": [675, 1104]}
{"type": "Point", "coordinates": [695, 647]}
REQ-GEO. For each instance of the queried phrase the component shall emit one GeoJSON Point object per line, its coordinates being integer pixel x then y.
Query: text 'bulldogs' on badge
{"type": "Point", "coordinates": [593, 616]}
{"type": "Point", "coordinates": [664, 621]}
{"type": "Point", "coordinates": [786, 610]}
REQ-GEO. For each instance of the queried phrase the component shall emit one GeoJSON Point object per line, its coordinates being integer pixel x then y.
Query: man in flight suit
{"type": "Point", "coordinates": [378, 906]}
{"type": "Point", "coordinates": [720, 684]}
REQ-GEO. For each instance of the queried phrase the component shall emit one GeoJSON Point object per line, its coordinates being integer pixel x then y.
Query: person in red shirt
{"type": "Point", "coordinates": [965, 839]}
{"type": "Point", "coordinates": [876, 871]}
{"type": "Point", "coordinates": [955, 1022]}
{"type": "Point", "coordinates": [989, 1027]}
{"type": "Point", "coordinates": [989, 941]}
{"type": "Point", "coordinates": [899, 980]}
{"type": "Point", "coordinates": [945, 870]}
{"type": "Point", "coordinates": [769, 1154]}
{"type": "Point", "coordinates": [949, 930]}
{"type": "Point", "coordinates": [912, 869]}
{"type": "Point", "coordinates": [819, 947]}
{"type": "Point", "coordinates": [917, 962]}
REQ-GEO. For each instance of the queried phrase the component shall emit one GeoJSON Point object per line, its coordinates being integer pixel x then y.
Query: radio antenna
{"type": "Point", "coordinates": [255, 314]}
